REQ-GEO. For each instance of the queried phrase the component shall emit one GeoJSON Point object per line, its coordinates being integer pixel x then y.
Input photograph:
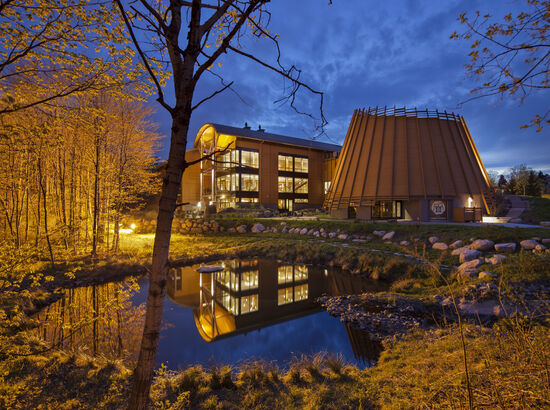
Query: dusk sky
{"type": "Point", "coordinates": [363, 53]}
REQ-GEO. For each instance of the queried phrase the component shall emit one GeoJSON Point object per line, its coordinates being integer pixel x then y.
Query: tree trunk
{"type": "Point", "coordinates": [158, 276]}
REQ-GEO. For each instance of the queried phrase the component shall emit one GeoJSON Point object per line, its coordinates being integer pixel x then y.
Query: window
{"type": "Point", "coordinates": [249, 304]}
{"type": "Point", "coordinates": [249, 280]}
{"type": "Point", "coordinates": [387, 209]}
{"type": "Point", "coordinates": [327, 186]}
{"type": "Point", "coordinates": [284, 274]}
{"type": "Point", "coordinates": [300, 164]}
{"type": "Point", "coordinates": [235, 158]}
{"type": "Point", "coordinates": [249, 159]}
{"type": "Point", "coordinates": [253, 200]}
{"type": "Point", "coordinates": [285, 163]}
{"type": "Point", "coordinates": [301, 200]}
{"type": "Point", "coordinates": [300, 272]}
{"type": "Point", "coordinates": [249, 182]}
{"type": "Point", "coordinates": [229, 302]}
{"type": "Point", "coordinates": [285, 184]}
{"type": "Point", "coordinates": [284, 296]}
{"type": "Point", "coordinates": [300, 292]}
{"type": "Point", "coordinates": [300, 185]}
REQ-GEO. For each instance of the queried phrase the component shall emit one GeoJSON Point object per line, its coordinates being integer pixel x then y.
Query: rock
{"type": "Point", "coordinates": [433, 239]}
{"type": "Point", "coordinates": [469, 255]}
{"type": "Point", "coordinates": [343, 236]}
{"type": "Point", "coordinates": [303, 231]}
{"type": "Point", "coordinates": [482, 245]}
{"type": "Point", "coordinates": [528, 244]}
{"type": "Point", "coordinates": [505, 247]}
{"type": "Point", "coordinates": [404, 243]}
{"type": "Point", "coordinates": [486, 275]}
{"type": "Point", "coordinates": [540, 248]}
{"type": "Point", "coordinates": [545, 223]}
{"type": "Point", "coordinates": [459, 251]}
{"type": "Point", "coordinates": [546, 241]}
{"type": "Point", "coordinates": [389, 236]}
{"type": "Point", "coordinates": [332, 235]}
{"type": "Point", "coordinates": [471, 264]}
{"type": "Point", "coordinates": [241, 228]}
{"type": "Point", "coordinates": [379, 233]}
{"type": "Point", "coordinates": [440, 246]}
{"type": "Point", "coordinates": [496, 259]}
{"type": "Point", "coordinates": [456, 244]}
{"type": "Point", "coordinates": [257, 228]}
{"type": "Point", "coordinates": [232, 230]}
{"type": "Point", "coordinates": [467, 273]}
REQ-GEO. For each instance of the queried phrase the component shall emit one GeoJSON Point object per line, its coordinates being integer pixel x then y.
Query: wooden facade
{"type": "Point", "coordinates": [405, 163]}
{"type": "Point", "coordinates": [246, 169]}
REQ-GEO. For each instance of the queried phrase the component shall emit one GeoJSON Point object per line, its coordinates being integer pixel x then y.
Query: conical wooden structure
{"type": "Point", "coordinates": [411, 161]}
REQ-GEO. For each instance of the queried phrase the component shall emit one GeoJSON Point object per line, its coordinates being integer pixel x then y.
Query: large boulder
{"type": "Point", "coordinates": [469, 255]}
{"type": "Point", "coordinates": [257, 228]}
{"type": "Point", "coordinates": [343, 236]}
{"type": "Point", "coordinates": [528, 244]}
{"type": "Point", "coordinates": [389, 236]}
{"type": "Point", "coordinates": [471, 264]}
{"type": "Point", "coordinates": [459, 251]}
{"type": "Point", "coordinates": [456, 244]}
{"type": "Point", "coordinates": [545, 223]}
{"type": "Point", "coordinates": [241, 228]}
{"type": "Point", "coordinates": [379, 233]}
{"type": "Point", "coordinates": [486, 275]}
{"type": "Point", "coordinates": [440, 246]}
{"type": "Point", "coordinates": [546, 241]}
{"type": "Point", "coordinates": [404, 243]}
{"type": "Point", "coordinates": [482, 245]}
{"type": "Point", "coordinates": [505, 247]}
{"type": "Point", "coordinates": [303, 231]}
{"type": "Point", "coordinates": [433, 239]}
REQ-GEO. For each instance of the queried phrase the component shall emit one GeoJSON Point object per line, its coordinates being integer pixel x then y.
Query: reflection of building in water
{"type": "Point", "coordinates": [252, 294]}
{"type": "Point", "coordinates": [364, 349]}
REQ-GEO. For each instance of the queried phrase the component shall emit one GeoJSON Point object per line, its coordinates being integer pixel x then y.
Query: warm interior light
{"type": "Point", "coordinates": [199, 204]}
{"type": "Point", "coordinates": [133, 226]}
{"type": "Point", "coordinates": [470, 202]}
{"type": "Point", "coordinates": [211, 203]}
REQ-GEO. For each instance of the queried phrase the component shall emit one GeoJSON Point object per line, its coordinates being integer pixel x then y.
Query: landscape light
{"type": "Point", "coordinates": [133, 226]}
{"type": "Point", "coordinates": [199, 204]}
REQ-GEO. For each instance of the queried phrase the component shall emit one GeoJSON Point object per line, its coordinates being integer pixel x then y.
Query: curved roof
{"type": "Point", "coordinates": [248, 133]}
{"type": "Point", "coordinates": [398, 154]}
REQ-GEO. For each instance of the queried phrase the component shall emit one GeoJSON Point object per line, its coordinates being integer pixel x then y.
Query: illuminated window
{"type": "Point", "coordinates": [285, 163]}
{"type": "Point", "coordinates": [285, 184]}
{"type": "Point", "coordinates": [248, 200]}
{"type": "Point", "coordinates": [229, 302]}
{"type": "Point", "coordinates": [235, 158]}
{"type": "Point", "coordinates": [300, 272]}
{"type": "Point", "coordinates": [284, 296]}
{"type": "Point", "coordinates": [300, 185]}
{"type": "Point", "coordinates": [250, 159]}
{"type": "Point", "coordinates": [223, 183]}
{"type": "Point", "coordinates": [249, 303]}
{"type": "Point", "coordinates": [301, 164]}
{"type": "Point", "coordinates": [249, 280]}
{"type": "Point", "coordinates": [301, 200]}
{"type": "Point", "coordinates": [249, 182]}
{"type": "Point", "coordinates": [301, 292]}
{"type": "Point", "coordinates": [327, 186]}
{"type": "Point", "coordinates": [284, 274]}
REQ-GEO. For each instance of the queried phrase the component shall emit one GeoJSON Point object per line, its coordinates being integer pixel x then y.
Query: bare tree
{"type": "Point", "coordinates": [510, 57]}
{"type": "Point", "coordinates": [192, 35]}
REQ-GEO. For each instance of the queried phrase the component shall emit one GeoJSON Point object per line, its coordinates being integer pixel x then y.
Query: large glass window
{"type": "Point", "coordinates": [284, 296]}
{"type": "Point", "coordinates": [300, 272]}
{"type": "Point", "coordinates": [249, 304]}
{"type": "Point", "coordinates": [284, 274]}
{"type": "Point", "coordinates": [249, 182]}
{"type": "Point", "coordinates": [285, 184]}
{"type": "Point", "coordinates": [387, 209]}
{"type": "Point", "coordinates": [250, 159]}
{"type": "Point", "coordinates": [300, 164]}
{"type": "Point", "coordinates": [301, 292]}
{"type": "Point", "coordinates": [224, 183]}
{"type": "Point", "coordinates": [300, 185]}
{"type": "Point", "coordinates": [249, 280]}
{"type": "Point", "coordinates": [285, 163]}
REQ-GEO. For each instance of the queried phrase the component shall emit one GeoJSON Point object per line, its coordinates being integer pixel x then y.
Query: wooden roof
{"type": "Point", "coordinates": [399, 153]}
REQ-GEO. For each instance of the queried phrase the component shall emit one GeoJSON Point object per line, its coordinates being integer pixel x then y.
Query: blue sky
{"type": "Point", "coordinates": [363, 53]}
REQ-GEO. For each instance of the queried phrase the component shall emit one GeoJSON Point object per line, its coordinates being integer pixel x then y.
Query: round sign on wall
{"type": "Point", "coordinates": [438, 207]}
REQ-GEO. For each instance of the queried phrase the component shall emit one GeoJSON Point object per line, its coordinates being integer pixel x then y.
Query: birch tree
{"type": "Point", "coordinates": [188, 39]}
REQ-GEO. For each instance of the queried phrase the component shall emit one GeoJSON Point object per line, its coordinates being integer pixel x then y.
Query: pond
{"type": "Point", "coordinates": [251, 309]}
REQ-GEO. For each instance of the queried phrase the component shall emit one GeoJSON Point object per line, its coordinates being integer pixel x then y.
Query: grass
{"type": "Point", "coordinates": [539, 210]}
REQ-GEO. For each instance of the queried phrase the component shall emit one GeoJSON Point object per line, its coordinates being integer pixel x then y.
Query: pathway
{"type": "Point", "coordinates": [518, 206]}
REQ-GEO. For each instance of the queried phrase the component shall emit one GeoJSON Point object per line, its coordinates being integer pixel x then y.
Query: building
{"type": "Point", "coordinates": [256, 167]}
{"type": "Point", "coordinates": [409, 164]}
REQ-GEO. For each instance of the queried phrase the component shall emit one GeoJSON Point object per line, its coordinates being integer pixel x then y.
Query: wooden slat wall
{"type": "Point", "coordinates": [400, 153]}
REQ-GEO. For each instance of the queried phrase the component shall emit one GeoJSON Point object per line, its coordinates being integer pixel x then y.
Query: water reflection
{"type": "Point", "coordinates": [262, 309]}
{"type": "Point", "coordinates": [96, 319]}
{"type": "Point", "coordinates": [253, 294]}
